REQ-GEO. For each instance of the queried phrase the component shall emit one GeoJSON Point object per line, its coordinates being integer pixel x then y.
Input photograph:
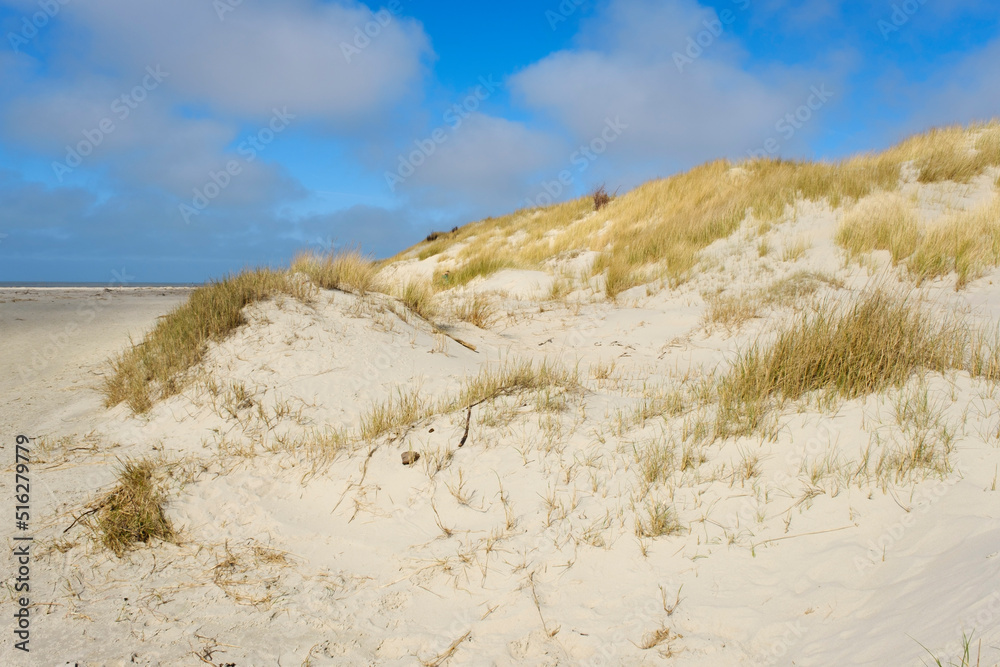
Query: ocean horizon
{"type": "Point", "coordinates": [27, 284]}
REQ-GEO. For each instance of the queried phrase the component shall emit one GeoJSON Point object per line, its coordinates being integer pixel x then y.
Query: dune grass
{"type": "Point", "coordinates": [512, 376]}
{"type": "Point", "coordinates": [659, 519]}
{"type": "Point", "coordinates": [965, 243]}
{"type": "Point", "coordinates": [480, 264]}
{"type": "Point", "coordinates": [347, 270]}
{"type": "Point", "coordinates": [153, 369]}
{"type": "Point", "coordinates": [733, 310]}
{"type": "Point", "coordinates": [133, 511]}
{"type": "Point", "coordinates": [478, 310]}
{"type": "Point", "coordinates": [395, 412]}
{"type": "Point", "coordinates": [876, 342]}
{"type": "Point", "coordinates": [951, 153]}
{"type": "Point", "coordinates": [884, 221]}
{"type": "Point", "coordinates": [665, 224]}
{"type": "Point", "coordinates": [418, 296]}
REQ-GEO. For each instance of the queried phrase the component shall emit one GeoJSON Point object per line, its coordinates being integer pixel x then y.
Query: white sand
{"type": "Point", "coordinates": [519, 548]}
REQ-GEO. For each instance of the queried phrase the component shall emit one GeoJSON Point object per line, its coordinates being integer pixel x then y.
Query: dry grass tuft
{"type": "Point", "coordinates": [395, 412]}
{"type": "Point", "coordinates": [347, 270]}
{"type": "Point", "coordinates": [660, 519]}
{"type": "Point", "coordinates": [966, 243]}
{"type": "Point", "coordinates": [877, 341]}
{"type": "Point", "coordinates": [480, 264]}
{"type": "Point", "coordinates": [418, 296]}
{"type": "Point", "coordinates": [733, 310]}
{"type": "Point", "coordinates": [884, 221]}
{"type": "Point", "coordinates": [952, 153]}
{"type": "Point", "coordinates": [795, 250]}
{"type": "Point", "coordinates": [514, 376]}
{"type": "Point", "coordinates": [133, 511]}
{"type": "Point", "coordinates": [560, 289]}
{"type": "Point", "coordinates": [478, 311]}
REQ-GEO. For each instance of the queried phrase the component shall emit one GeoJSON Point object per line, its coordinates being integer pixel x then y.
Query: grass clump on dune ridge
{"type": "Point", "coordinates": [951, 153]}
{"type": "Point", "coordinates": [668, 222]}
{"type": "Point", "coordinates": [876, 342]}
{"type": "Point", "coordinates": [347, 271]}
{"type": "Point", "coordinates": [152, 369]}
{"type": "Point", "coordinates": [133, 511]}
{"type": "Point", "coordinates": [480, 264]}
{"type": "Point", "coordinates": [885, 221]}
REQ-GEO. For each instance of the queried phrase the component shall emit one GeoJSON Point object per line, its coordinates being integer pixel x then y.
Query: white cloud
{"type": "Point", "coordinates": [485, 162]}
{"type": "Point", "coordinates": [679, 112]}
{"type": "Point", "coordinates": [217, 77]}
{"type": "Point", "coordinates": [263, 54]}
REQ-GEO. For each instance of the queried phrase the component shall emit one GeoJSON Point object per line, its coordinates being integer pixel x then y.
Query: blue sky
{"type": "Point", "coordinates": [178, 141]}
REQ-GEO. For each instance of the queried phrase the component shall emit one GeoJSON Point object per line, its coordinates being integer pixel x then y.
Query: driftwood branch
{"type": "Point", "coordinates": [468, 418]}
{"type": "Point", "coordinates": [87, 513]}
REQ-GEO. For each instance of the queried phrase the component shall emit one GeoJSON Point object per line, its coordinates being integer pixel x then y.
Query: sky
{"type": "Point", "coordinates": [181, 140]}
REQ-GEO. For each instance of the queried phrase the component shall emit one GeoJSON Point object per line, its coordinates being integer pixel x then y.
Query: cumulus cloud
{"type": "Point", "coordinates": [257, 56]}
{"type": "Point", "coordinates": [484, 161]}
{"type": "Point", "coordinates": [176, 103]}
{"type": "Point", "coordinates": [674, 74]}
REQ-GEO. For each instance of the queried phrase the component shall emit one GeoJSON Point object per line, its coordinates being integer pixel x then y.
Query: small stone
{"type": "Point", "coordinates": [409, 458]}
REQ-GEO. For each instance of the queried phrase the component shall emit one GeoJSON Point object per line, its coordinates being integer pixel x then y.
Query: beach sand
{"type": "Point", "coordinates": [57, 341]}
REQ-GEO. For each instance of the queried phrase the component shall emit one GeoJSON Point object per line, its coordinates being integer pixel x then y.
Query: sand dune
{"type": "Point", "coordinates": [587, 520]}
